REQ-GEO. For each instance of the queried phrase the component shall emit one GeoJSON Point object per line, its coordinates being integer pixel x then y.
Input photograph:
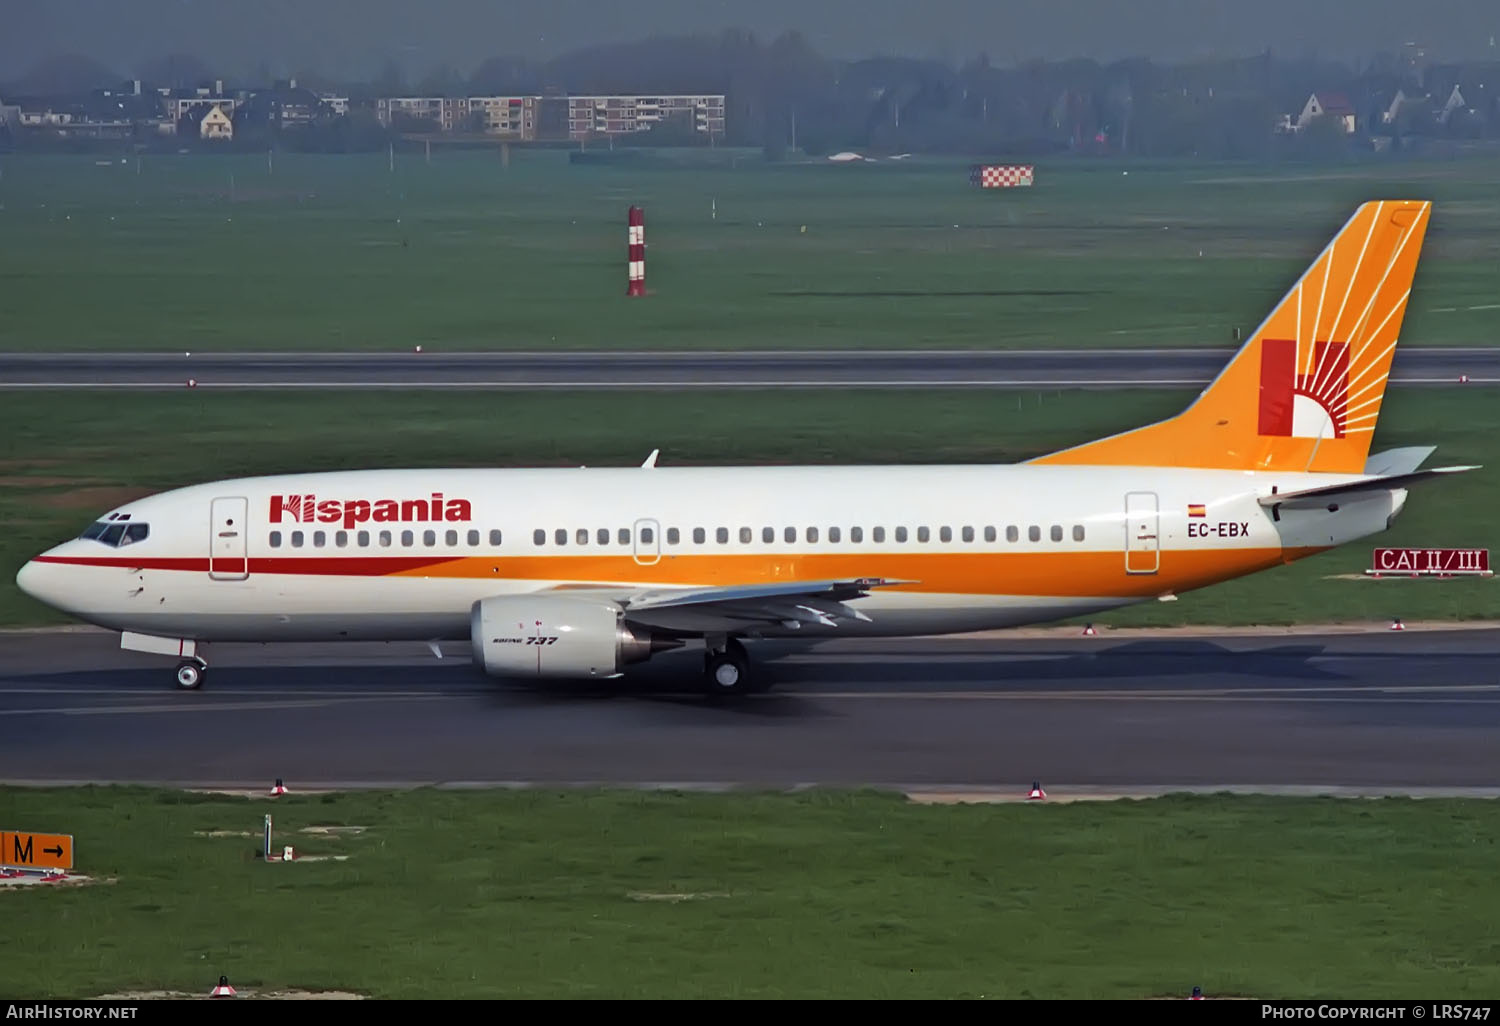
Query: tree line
{"type": "Point", "coordinates": [782, 95]}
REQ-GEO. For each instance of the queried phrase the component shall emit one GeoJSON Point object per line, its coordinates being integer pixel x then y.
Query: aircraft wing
{"type": "Point", "coordinates": [1313, 498]}
{"type": "Point", "coordinates": [743, 607]}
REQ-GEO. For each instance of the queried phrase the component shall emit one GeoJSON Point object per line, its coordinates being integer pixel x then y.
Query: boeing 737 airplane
{"type": "Point", "coordinates": [576, 573]}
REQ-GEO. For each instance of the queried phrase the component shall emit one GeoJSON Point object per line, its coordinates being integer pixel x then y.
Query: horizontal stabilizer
{"type": "Point", "coordinates": [1398, 461]}
{"type": "Point", "coordinates": [1310, 497]}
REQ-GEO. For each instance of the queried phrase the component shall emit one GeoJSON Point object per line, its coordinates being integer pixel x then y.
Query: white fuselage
{"type": "Point", "coordinates": [253, 559]}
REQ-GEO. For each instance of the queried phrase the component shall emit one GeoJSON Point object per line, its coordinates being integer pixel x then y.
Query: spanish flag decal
{"type": "Point", "coordinates": [1197, 509]}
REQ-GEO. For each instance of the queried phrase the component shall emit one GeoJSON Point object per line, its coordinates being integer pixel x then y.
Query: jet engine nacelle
{"type": "Point", "coordinates": [547, 636]}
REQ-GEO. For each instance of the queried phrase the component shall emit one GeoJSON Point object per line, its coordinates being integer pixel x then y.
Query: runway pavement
{"type": "Point", "coordinates": [1099, 368]}
{"type": "Point", "coordinates": [1115, 713]}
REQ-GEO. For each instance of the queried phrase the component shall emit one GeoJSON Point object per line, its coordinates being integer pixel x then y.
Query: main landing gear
{"type": "Point", "coordinates": [190, 674]}
{"type": "Point", "coordinates": [726, 668]}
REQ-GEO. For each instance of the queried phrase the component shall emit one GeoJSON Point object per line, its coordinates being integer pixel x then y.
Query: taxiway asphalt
{"type": "Point", "coordinates": [1407, 711]}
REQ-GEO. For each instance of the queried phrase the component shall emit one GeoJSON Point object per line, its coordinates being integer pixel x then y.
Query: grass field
{"type": "Point", "coordinates": [66, 459]}
{"type": "Point", "coordinates": [822, 895]}
{"type": "Point", "coordinates": [340, 252]}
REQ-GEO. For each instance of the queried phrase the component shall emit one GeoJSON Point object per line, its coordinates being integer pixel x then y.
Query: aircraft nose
{"type": "Point", "coordinates": [38, 581]}
{"type": "Point", "coordinates": [26, 579]}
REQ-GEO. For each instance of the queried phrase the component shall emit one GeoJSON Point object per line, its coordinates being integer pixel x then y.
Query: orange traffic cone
{"type": "Point", "coordinates": [223, 989]}
{"type": "Point", "coordinates": [280, 788]}
{"type": "Point", "coordinates": [1037, 793]}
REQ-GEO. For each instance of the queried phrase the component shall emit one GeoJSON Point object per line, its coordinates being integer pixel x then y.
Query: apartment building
{"type": "Point", "coordinates": [553, 117]}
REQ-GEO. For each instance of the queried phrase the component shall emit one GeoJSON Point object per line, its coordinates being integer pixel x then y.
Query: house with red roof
{"type": "Point", "coordinates": [1335, 105]}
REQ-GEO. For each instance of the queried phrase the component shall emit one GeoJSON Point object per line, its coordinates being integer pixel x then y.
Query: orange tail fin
{"type": "Point", "coordinates": [1304, 391]}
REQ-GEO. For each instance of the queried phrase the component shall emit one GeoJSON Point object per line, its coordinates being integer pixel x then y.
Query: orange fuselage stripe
{"type": "Point", "coordinates": [1062, 574]}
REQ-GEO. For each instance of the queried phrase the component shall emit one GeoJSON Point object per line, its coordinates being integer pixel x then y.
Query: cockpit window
{"type": "Point", "coordinates": [118, 533]}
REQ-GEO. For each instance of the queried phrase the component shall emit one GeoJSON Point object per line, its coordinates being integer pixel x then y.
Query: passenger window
{"type": "Point", "coordinates": [672, 536]}
{"type": "Point", "coordinates": [647, 535]}
{"type": "Point", "coordinates": [364, 539]}
{"type": "Point", "coordinates": [722, 536]}
{"type": "Point", "coordinates": [539, 536]}
{"type": "Point", "coordinates": [296, 539]}
{"type": "Point", "coordinates": [1057, 532]}
{"type": "Point", "coordinates": [1078, 532]}
{"type": "Point", "coordinates": [473, 539]}
{"type": "Point", "coordinates": [698, 536]}
{"type": "Point", "coordinates": [744, 536]}
{"type": "Point", "coordinates": [275, 539]}
{"type": "Point", "coordinates": [385, 539]}
{"type": "Point", "coordinates": [408, 539]}
{"type": "Point", "coordinates": [833, 534]}
{"type": "Point", "coordinates": [768, 534]}
{"type": "Point", "coordinates": [341, 539]}
{"type": "Point", "coordinates": [901, 534]}
{"type": "Point", "coordinates": [790, 534]}
{"type": "Point", "coordinates": [451, 538]}
{"type": "Point", "coordinates": [878, 534]}
{"type": "Point", "coordinates": [921, 534]}
{"type": "Point", "coordinates": [812, 534]}
{"type": "Point", "coordinates": [582, 536]}
{"type": "Point", "coordinates": [1011, 534]}
{"type": "Point", "coordinates": [319, 539]}
{"type": "Point", "coordinates": [1034, 533]}
{"type": "Point", "coordinates": [494, 537]}
{"type": "Point", "coordinates": [968, 534]}
{"type": "Point", "coordinates": [429, 538]}
{"type": "Point", "coordinates": [945, 534]}
{"type": "Point", "coordinates": [989, 533]}
{"type": "Point", "coordinates": [602, 535]}
{"type": "Point", "coordinates": [560, 536]}
{"type": "Point", "coordinates": [624, 536]}
{"type": "Point", "coordinates": [856, 534]}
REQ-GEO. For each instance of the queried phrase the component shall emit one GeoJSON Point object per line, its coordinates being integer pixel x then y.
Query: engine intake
{"type": "Point", "coordinates": [546, 636]}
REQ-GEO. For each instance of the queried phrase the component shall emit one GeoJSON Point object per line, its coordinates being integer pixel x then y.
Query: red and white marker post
{"type": "Point", "coordinates": [637, 253]}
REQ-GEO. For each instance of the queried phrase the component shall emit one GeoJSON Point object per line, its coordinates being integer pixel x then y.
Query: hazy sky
{"type": "Point", "coordinates": [352, 37]}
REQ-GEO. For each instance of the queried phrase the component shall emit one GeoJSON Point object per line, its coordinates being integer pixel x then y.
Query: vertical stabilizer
{"type": "Point", "coordinates": [1305, 390]}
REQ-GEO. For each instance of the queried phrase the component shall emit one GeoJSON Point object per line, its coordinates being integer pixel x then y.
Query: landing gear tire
{"type": "Point", "coordinates": [189, 675]}
{"type": "Point", "coordinates": [727, 672]}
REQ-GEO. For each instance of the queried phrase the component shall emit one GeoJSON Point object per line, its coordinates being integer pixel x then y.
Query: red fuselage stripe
{"type": "Point", "coordinates": [354, 566]}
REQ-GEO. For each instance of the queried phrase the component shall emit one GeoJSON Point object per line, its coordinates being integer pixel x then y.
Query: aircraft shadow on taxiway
{"type": "Point", "coordinates": [1144, 664]}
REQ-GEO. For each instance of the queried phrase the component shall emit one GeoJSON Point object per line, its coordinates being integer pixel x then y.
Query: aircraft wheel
{"type": "Point", "coordinates": [189, 675]}
{"type": "Point", "coordinates": [726, 673]}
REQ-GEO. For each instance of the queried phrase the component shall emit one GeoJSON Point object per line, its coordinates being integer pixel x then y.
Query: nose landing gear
{"type": "Point", "coordinates": [190, 674]}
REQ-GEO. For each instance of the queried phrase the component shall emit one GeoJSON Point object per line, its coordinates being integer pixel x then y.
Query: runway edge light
{"type": "Point", "coordinates": [1397, 625]}
{"type": "Point", "coordinates": [223, 989]}
{"type": "Point", "coordinates": [1036, 793]}
{"type": "Point", "coordinates": [1197, 994]}
{"type": "Point", "coordinates": [279, 788]}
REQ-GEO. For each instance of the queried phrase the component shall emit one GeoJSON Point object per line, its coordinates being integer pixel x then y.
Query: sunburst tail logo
{"type": "Point", "coordinates": [1310, 405]}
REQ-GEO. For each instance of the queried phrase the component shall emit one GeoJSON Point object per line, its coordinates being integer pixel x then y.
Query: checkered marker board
{"type": "Point", "coordinates": [1001, 176]}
